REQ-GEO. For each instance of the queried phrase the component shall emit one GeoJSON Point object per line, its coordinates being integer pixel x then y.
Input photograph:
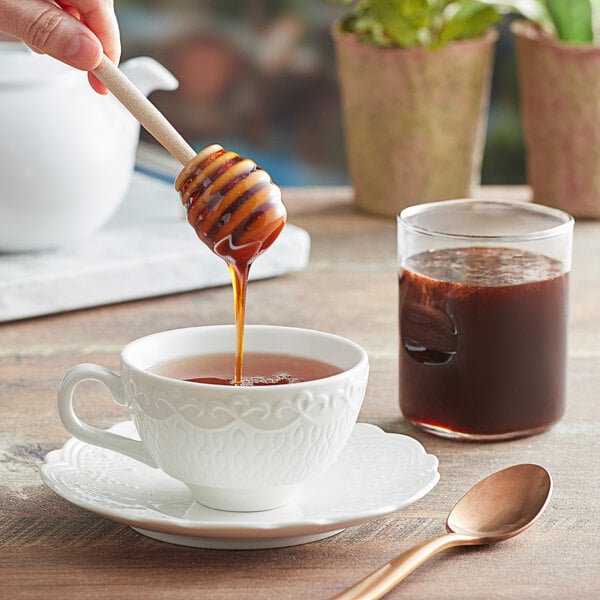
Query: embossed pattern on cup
{"type": "Point", "coordinates": [240, 448]}
{"type": "Point", "coordinates": [230, 440]}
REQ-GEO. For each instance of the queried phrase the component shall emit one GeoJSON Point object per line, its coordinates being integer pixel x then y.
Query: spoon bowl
{"type": "Point", "coordinates": [497, 508]}
{"type": "Point", "coordinates": [502, 505]}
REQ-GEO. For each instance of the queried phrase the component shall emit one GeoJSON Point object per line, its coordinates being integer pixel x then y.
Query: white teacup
{"type": "Point", "coordinates": [242, 448]}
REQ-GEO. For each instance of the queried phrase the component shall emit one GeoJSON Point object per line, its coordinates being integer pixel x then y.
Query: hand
{"type": "Point", "coordinates": [76, 32]}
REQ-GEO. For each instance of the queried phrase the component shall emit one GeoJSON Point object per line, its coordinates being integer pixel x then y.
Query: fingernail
{"type": "Point", "coordinates": [83, 52]}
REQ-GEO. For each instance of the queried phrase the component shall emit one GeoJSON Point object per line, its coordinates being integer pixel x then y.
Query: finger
{"type": "Point", "coordinates": [99, 16]}
{"type": "Point", "coordinates": [69, 8]}
{"type": "Point", "coordinates": [102, 21]}
{"type": "Point", "coordinates": [46, 27]}
{"type": "Point", "coordinates": [96, 84]}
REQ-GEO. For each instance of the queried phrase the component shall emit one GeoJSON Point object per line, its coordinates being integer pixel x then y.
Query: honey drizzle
{"type": "Point", "coordinates": [236, 210]}
{"type": "Point", "coordinates": [239, 281]}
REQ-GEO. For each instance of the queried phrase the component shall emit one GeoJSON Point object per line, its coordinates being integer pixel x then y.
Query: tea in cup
{"type": "Point", "coordinates": [483, 317]}
{"type": "Point", "coordinates": [240, 448]}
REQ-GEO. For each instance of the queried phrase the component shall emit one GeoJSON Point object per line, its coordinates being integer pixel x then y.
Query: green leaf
{"type": "Point", "coordinates": [470, 19]}
{"type": "Point", "coordinates": [404, 21]}
{"type": "Point", "coordinates": [532, 10]}
{"type": "Point", "coordinates": [365, 27]}
{"type": "Point", "coordinates": [572, 19]}
{"type": "Point", "coordinates": [435, 23]}
{"type": "Point", "coordinates": [595, 7]}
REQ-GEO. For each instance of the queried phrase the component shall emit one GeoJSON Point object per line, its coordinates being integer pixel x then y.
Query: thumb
{"type": "Point", "coordinates": [49, 29]}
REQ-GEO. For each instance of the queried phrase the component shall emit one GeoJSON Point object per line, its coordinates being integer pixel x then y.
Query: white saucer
{"type": "Point", "coordinates": [376, 474]}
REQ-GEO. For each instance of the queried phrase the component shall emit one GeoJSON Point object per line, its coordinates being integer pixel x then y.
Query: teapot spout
{"type": "Point", "coordinates": [148, 75]}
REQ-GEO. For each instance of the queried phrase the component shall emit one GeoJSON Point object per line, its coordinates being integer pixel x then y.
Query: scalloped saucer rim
{"type": "Point", "coordinates": [396, 468]}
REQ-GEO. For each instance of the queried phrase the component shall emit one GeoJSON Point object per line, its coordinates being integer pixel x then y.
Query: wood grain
{"type": "Point", "coordinates": [51, 549]}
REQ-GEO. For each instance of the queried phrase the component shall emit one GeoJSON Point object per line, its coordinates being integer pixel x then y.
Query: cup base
{"type": "Point", "coordinates": [462, 436]}
{"type": "Point", "coordinates": [240, 500]}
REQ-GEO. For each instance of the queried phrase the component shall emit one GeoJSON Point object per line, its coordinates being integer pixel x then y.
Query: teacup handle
{"type": "Point", "coordinates": [87, 433]}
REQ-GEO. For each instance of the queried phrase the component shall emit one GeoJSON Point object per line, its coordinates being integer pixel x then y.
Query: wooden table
{"type": "Point", "coordinates": [52, 549]}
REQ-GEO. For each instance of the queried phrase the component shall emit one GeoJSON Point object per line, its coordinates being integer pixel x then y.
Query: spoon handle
{"type": "Point", "coordinates": [144, 111]}
{"type": "Point", "coordinates": [380, 582]}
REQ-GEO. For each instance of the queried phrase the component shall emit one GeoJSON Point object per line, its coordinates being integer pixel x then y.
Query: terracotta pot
{"type": "Point", "coordinates": [559, 86]}
{"type": "Point", "coordinates": [414, 119]}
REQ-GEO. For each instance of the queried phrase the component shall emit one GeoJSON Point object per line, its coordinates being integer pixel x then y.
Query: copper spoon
{"type": "Point", "coordinates": [495, 509]}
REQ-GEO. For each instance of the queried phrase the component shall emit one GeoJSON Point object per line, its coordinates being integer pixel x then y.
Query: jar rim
{"type": "Point", "coordinates": [564, 221]}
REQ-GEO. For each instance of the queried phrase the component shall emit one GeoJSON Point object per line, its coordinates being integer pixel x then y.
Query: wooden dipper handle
{"type": "Point", "coordinates": [144, 111]}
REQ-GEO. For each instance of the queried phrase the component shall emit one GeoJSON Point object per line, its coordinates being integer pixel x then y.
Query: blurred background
{"type": "Point", "coordinates": [259, 77]}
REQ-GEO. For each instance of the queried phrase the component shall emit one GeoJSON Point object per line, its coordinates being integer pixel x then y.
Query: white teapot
{"type": "Point", "coordinates": [66, 153]}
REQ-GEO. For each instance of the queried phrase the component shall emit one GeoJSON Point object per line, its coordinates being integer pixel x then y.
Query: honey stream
{"type": "Point", "coordinates": [236, 210]}
{"type": "Point", "coordinates": [239, 281]}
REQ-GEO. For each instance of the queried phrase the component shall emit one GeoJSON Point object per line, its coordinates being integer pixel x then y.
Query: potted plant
{"type": "Point", "coordinates": [559, 83]}
{"type": "Point", "coordinates": [414, 80]}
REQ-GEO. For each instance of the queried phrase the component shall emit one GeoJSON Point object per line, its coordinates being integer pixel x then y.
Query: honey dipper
{"type": "Point", "coordinates": [231, 203]}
